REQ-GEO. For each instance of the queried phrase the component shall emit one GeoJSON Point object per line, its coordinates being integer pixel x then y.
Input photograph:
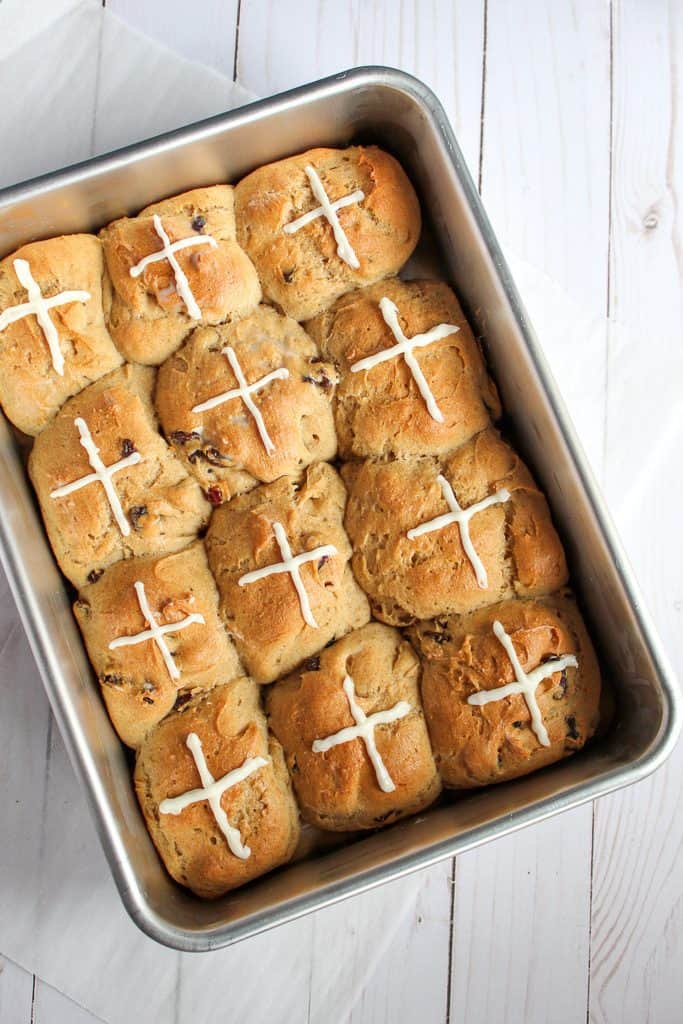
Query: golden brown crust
{"type": "Point", "coordinates": [146, 316]}
{"type": "Point", "coordinates": [164, 506]}
{"type": "Point", "coordinates": [408, 579]}
{"type": "Point", "coordinates": [380, 412]}
{"type": "Point", "coordinates": [475, 746]}
{"type": "Point", "coordinates": [136, 685]}
{"type": "Point", "coordinates": [31, 391]}
{"type": "Point", "coordinates": [222, 446]}
{"type": "Point", "coordinates": [302, 272]}
{"type": "Point", "coordinates": [231, 728]}
{"type": "Point", "coordinates": [338, 789]}
{"type": "Point", "coordinates": [265, 617]}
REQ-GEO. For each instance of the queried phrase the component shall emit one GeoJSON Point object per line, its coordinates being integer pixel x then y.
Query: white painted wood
{"type": "Point", "coordinates": [441, 42]}
{"type": "Point", "coordinates": [16, 993]}
{"type": "Point", "coordinates": [522, 908]}
{"type": "Point", "coordinates": [545, 167]}
{"type": "Point", "coordinates": [637, 921]}
{"type": "Point", "coordinates": [203, 31]}
{"type": "Point", "coordinates": [520, 940]}
{"type": "Point", "coordinates": [388, 954]}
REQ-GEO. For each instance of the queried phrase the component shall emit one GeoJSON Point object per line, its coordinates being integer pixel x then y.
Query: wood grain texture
{"type": "Point", "coordinates": [637, 920]}
{"type": "Point", "coordinates": [389, 953]}
{"type": "Point", "coordinates": [522, 909]}
{"type": "Point", "coordinates": [545, 173]}
{"type": "Point", "coordinates": [440, 41]}
{"type": "Point", "coordinates": [520, 942]}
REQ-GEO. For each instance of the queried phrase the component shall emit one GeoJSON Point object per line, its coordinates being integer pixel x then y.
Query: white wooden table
{"type": "Point", "coordinates": [570, 113]}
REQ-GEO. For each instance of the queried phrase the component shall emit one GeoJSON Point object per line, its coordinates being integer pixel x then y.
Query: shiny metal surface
{"type": "Point", "coordinates": [400, 113]}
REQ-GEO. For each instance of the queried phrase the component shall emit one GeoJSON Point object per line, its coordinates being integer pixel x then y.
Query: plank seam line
{"type": "Point", "coordinates": [451, 927]}
{"type": "Point", "coordinates": [237, 40]}
{"type": "Point", "coordinates": [610, 190]}
{"type": "Point", "coordinates": [590, 916]}
{"type": "Point", "coordinates": [671, 148]}
{"type": "Point", "coordinates": [98, 79]}
{"type": "Point", "coordinates": [483, 95]}
{"type": "Point", "coordinates": [610, 194]}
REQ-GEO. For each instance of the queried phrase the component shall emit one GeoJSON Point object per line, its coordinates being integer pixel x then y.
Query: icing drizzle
{"type": "Point", "coordinates": [364, 730]}
{"type": "Point", "coordinates": [404, 347]}
{"type": "Point", "coordinates": [526, 683]}
{"type": "Point", "coordinates": [156, 632]}
{"type": "Point", "coordinates": [39, 307]}
{"type": "Point", "coordinates": [291, 565]}
{"type": "Point", "coordinates": [167, 252]}
{"type": "Point", "coordinates": [462, 517]}
{"type": "Point", "coordinates": [102, 474]}
{"type": "Point", "coordinates": [328, 210]}
{"type": "Point", "coordinates": [212, 790]}
{"type": "Point", "coordinates": [245, 391]}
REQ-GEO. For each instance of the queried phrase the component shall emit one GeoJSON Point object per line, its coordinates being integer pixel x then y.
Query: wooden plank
{"type": "Point", "coordinates": [521, 939]}
{"type": "Point", "coordinates": [203, 32]}
{"type": "Point", "coordinates": [440, 42]}
{"type": "Point", "coordinates": [521, 926]}
{"type": "Point", "coordinates": [637, 919]}
{"type": "Point", "coordinates": [16, 993]}
{"type": "Point", "coordinates": [390, 956]}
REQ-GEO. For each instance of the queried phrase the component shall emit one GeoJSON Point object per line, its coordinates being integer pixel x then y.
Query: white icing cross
{"type": "Point", "coordinates": [404, 347]}
{"type": "Point", "coordinates": [364, 729]}
{"type": "Point", "coordinates": [328, 210]}
{"type": "Point", "coordinates": [156, 632]}
{"type": "Point", "coordinates": [212, 790]}
{"type": "Point", "coordinates": [103, 475]}
{"type": "Point", "coordinates": [245, 391]}
{"type": "Point", "coordinates": [168, 253]}
{"type": "Point", "coordinates": [291, 565]}
{"type": "Point", "coordinates": [39, 306]}
{"type": "Point", "coordinates": [526, 683]}
{"type": "Point", "coordinates": [462, 517]}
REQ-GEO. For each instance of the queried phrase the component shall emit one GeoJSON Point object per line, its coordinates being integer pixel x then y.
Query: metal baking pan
{"type": "Point", "coordinates": [400, 113]}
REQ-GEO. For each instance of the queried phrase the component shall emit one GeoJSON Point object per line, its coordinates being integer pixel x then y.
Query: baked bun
{"type": "Point", "coordinates": [224, 446]}
{"type": "Point", "coordinates": [150, 314]}
{"type": "Point", "coordinates": [304, 267]}
{"type": "Point", "coordinates": [141, 681]}
{"type": "Point", "coordinates": [229, 730]}
{"type": "Point", "coordinates": [42, 366]}
{"type": "Point", "coordinates": [274, 626]}
{"type": "Point", "coordinates": [160, 508]}
{"type": "Point", "coordinates": [463, 657]}
{"type": "Point", "coordinates": [340, 788]}
{"type": "Point", "coordinates": [411, 577]}
{"type": "Point", "coordinates": [380, 410]}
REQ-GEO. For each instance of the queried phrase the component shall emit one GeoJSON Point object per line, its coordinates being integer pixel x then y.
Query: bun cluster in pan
{"type": "Point", "coordinates": [313, 579]}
